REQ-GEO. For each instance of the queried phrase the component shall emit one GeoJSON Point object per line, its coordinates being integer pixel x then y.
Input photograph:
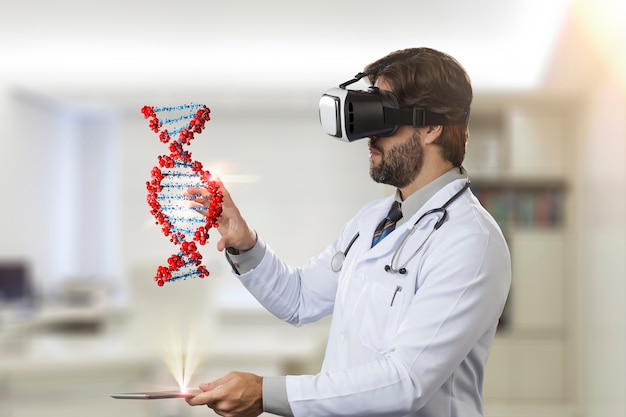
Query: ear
{"type": "Point", "coordinates": [431, 133]}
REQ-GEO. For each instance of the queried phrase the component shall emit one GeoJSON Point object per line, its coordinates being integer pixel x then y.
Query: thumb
{"type": "Point", "coordinates": [221, 244]}
{"type": "Point", "coordinates": [210, 386]}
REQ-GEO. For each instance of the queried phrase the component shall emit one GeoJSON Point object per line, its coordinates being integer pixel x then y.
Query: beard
{"type": "Point", "coordinates": [399, 165]}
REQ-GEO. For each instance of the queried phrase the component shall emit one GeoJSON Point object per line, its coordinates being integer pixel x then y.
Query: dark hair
{"type": "Point", "coordinates": [424, 77]}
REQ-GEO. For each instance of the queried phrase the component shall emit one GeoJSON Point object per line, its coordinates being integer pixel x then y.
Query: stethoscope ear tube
{"type": "Point", "coordinates": [442, 220]}
{"type": "Point", "coordinates": [401, 271]}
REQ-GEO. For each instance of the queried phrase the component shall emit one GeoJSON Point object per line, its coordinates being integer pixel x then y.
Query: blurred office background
{"type": "Point", "coordinates": [80, 316]}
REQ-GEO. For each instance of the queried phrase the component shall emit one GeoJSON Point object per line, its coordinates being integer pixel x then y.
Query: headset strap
{"type": "Point", "coordinates": [416, 117]}
{"type": "Point", "coordinates": [352, 81]}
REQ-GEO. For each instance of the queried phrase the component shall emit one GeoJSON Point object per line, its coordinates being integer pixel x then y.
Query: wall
{"type": "Point", "coordinates": [601, 227]}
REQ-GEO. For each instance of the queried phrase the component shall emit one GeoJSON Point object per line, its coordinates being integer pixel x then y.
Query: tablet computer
{"type": "Point", "coordinates": [155, 395]}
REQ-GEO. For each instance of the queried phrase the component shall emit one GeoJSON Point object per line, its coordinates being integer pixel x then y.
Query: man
{"type": "Point", "coordinates": [414, 314]}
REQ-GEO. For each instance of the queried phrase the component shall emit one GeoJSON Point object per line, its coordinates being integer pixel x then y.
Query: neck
{"type": "Point", "coordinates": [429, 172]}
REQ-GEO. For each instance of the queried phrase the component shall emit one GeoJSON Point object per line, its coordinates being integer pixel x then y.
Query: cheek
{"type": "Point", "coordinates": [401, 138]}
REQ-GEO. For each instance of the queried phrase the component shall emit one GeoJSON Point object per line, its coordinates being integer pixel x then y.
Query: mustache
{"type": "Point", "coordinates": [373, 146]}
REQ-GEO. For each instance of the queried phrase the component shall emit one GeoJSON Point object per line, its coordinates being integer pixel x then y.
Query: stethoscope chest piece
{"type": "Point", "coordinates": [337, 261]}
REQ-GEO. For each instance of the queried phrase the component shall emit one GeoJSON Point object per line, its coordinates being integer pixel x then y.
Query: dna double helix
{"type": "Point", "coordinates": [175, 173]}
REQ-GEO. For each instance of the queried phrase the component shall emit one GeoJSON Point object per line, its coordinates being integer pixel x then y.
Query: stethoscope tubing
{"type": "Point", "coordinates": [402, 268]}
{"type": "Point", "coordinates": [340, 256]}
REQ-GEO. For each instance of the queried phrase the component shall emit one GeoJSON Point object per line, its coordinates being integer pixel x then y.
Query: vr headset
{"type": "Point", "coordinates": [353, 114]}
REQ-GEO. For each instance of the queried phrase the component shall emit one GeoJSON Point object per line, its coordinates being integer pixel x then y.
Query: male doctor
{"type": "Point", "coordinates": [415, 282]}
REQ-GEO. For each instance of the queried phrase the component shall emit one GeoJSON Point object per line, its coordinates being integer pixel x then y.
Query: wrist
{"type": "Point", "coordinates": [233, 251]}
{"type": "Point", "coordinates": [244, 248]}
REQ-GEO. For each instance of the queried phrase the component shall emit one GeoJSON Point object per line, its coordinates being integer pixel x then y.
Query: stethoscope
{"type": "Point", "coordinates": [336, 263]}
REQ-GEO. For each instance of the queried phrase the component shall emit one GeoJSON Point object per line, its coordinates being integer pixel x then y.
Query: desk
{"type": "Point", "coordinates": [55, 374]}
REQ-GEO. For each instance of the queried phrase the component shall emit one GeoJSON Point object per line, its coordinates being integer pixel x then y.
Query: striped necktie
{"type": "Point", "coordinates": [388, 224]}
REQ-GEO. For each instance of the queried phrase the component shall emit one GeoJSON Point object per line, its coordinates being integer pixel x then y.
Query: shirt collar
{"type": "Point", "coordinates": [411, 205]}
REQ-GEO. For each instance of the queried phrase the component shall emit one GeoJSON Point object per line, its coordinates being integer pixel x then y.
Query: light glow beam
{"type": "Point", "coordinates": [181, 354]}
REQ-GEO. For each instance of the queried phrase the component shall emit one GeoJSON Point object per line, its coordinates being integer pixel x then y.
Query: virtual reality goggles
{"type": "Point", "coordinates": [353, 114]}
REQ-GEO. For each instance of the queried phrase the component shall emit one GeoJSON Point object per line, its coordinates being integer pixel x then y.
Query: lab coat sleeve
{"type": "Point", "coordinates": [464, 285]}
{"type": "Point", "coordinates": [294, 295]}
{"type": "Point", "coordinates": [300, 295]}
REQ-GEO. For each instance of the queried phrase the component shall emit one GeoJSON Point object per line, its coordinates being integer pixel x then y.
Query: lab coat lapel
{"type": "Point", "coordinates": [367, 226]}
{"type": "Point", "coordinates": [369, 223]}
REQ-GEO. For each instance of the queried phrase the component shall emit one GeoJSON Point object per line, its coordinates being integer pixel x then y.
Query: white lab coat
{"type": "Point", "coordinates": [424, 355]}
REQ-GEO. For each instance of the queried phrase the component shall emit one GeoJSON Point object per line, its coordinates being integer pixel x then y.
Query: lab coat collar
{"type": "Point", "coordinates": [436, 201]}
{"type": "Point", "coordinates": [418, 199]}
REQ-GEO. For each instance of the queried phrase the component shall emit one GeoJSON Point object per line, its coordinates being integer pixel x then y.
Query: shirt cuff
{"type": "Point", "coordinates": [248, 260]}
{"type": "Point", "coordinates": [275, 399]}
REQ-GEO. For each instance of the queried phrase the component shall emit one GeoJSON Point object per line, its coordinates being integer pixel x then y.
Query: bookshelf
{"type": "Point", "coordinates": [520, 204]}
{"type": "Point", "coordinates": [518, 158]}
